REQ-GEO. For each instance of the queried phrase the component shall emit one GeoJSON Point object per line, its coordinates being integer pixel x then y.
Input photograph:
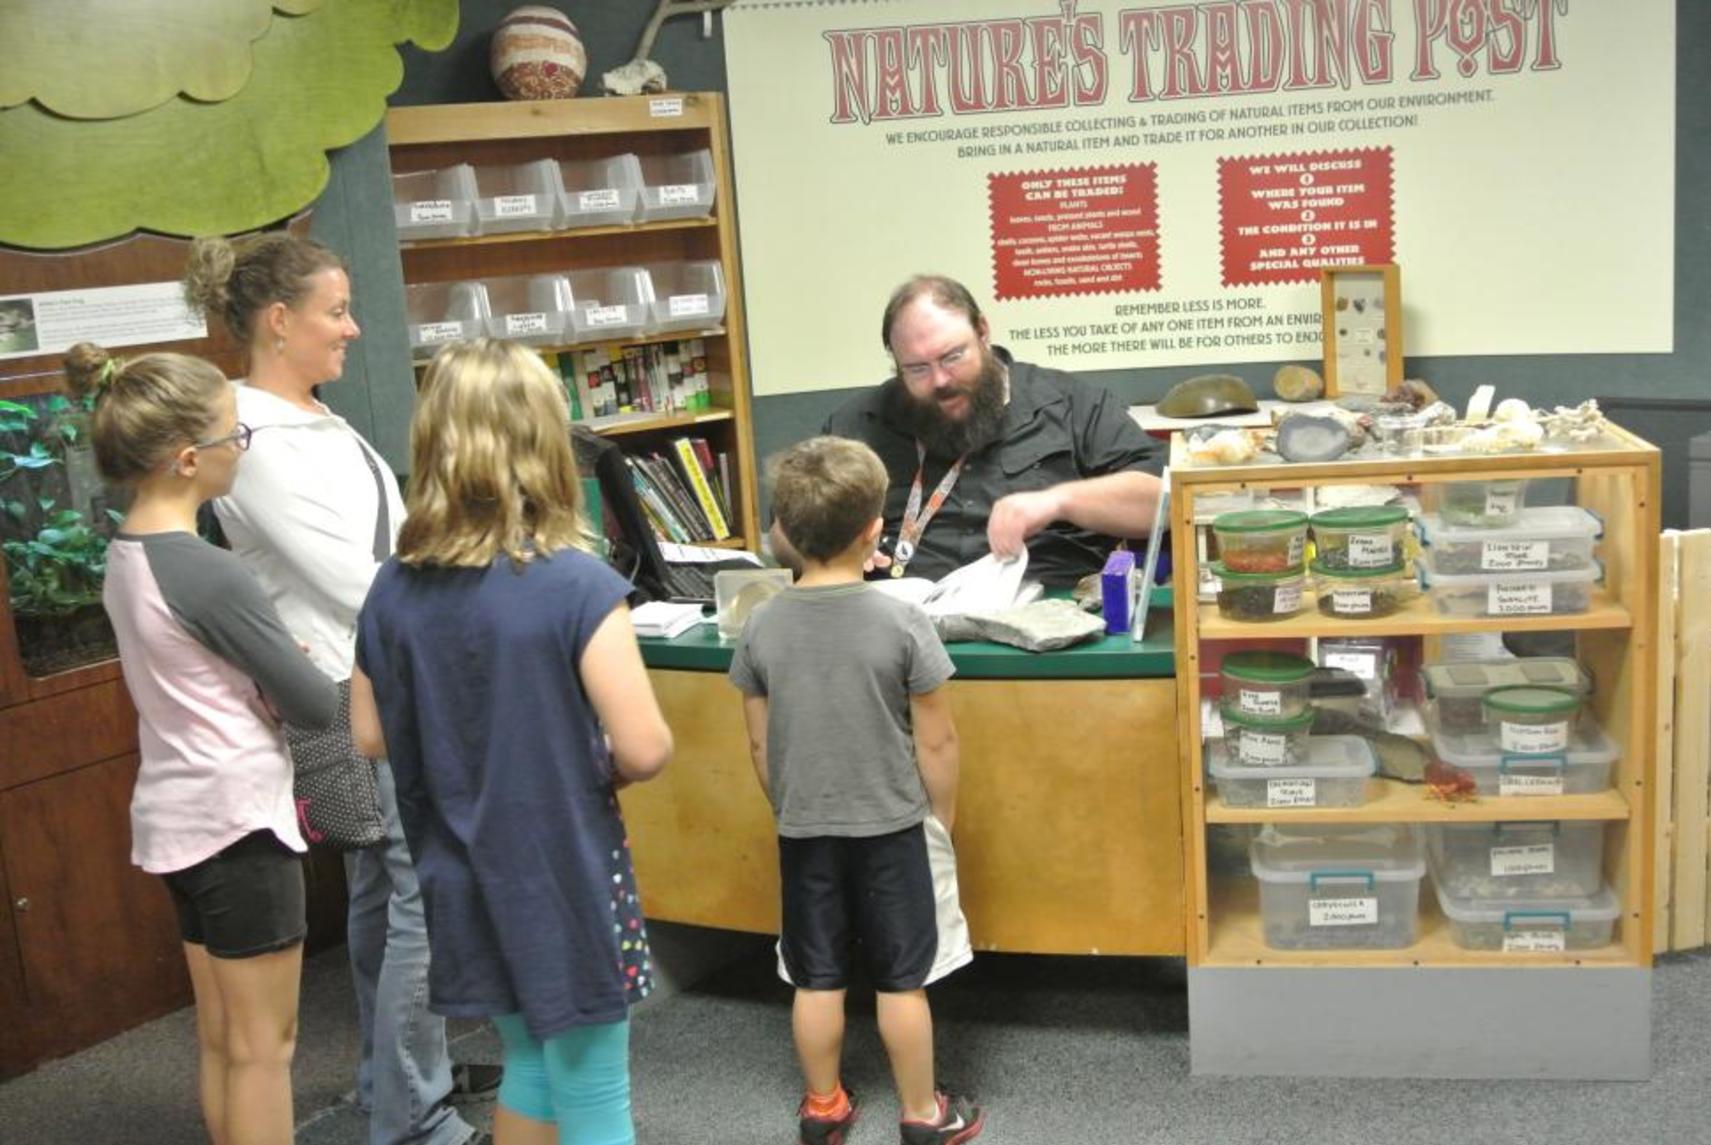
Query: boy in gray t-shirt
{"type": "Point", "coordinates": [853, 741]}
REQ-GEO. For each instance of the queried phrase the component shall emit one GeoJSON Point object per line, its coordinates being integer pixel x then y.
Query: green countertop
{"type": "Point", "coordinates": [1109, 658]}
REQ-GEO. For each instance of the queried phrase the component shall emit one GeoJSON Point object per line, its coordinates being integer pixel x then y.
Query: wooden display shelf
{"type": "Point", "coordinates": [405, 246]}
{"type": "Point", "coordinates": [651, 423]}
{"type": "Point", "coordinates": [1392, 801]}
{"type": "Point", "coordinates": [1419, 617]}
{"type": "Point", "coordinates": [1236, 937]}
{"type": "Point", "coordinates": [640, 340]}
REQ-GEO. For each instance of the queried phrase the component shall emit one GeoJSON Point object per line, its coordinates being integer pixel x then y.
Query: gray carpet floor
{"type": "Point", "coordinates": [1059, 1049]}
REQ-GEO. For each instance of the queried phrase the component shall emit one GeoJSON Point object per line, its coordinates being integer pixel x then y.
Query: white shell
{"type": "Point", "coordinates": [1512, 409]}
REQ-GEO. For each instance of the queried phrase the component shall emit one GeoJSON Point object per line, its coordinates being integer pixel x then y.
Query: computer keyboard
{"type": "Point", "coordinates": [689, 582]}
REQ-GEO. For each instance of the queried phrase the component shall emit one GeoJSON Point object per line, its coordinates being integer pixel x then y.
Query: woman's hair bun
{"type": "Point", "coordinates": [207, 273]}
{"type": "Point", "coordinates": [86, 369]}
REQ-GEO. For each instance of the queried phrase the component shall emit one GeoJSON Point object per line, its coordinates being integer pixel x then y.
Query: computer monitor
{"type": "Point", "coordinates": [634, 551]}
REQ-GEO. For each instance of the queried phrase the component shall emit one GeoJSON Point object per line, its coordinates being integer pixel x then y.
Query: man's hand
{"type": "Point", "coordinates": [875, 560]}
{"type": "Point", "coordinates": [1019, 516]}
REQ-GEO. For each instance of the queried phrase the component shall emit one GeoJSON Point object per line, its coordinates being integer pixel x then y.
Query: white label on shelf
{"type": "Point", "coordinates": [433, 333]}
{"type": "Point", "coordinates": [1502, 502]}
{"type": "Point", "coordinates": [510, 206]}
{"type": "Point", "coordinates": [675, 193]}
{"type": "Point", "coordinates": [1535, 942]}
{"type": "Point", "coordinates": [1358, 911]}
{"type": "Point", "coordinates": [668, 108]}
{"type": "Point", "coordinates": [1262, 749]}
{"type": "Point", "coordinates": [606, 315]}
{"type": "Point", "coordinates": [1508, 783]}
{"type": "Point", "coordinates": [525, 324]}
{"type": "Point", "coordinates": [431, 211]}
{"type": "Point", "coordinates": [1533, 739]}
{"type": "Point", "coordinates": [1351, 601]}
{"type": "Point", "coordinates": [688, 305]}
{"type": "Point", "coordinates": [605, 199]}
{"type": "Point", "coordinates": [1514, 556]}
{"type": "Point", "coordinates": [1518, 598]}
{"type": "Point", "coordinates": [1259, 703]}
{"type": "Point", "coordinates": [1287, 599]}
{"type": "Point", "coordinates": [1528, 859]}
{"type": "Point", "coordinates": [1291, 793]}
{"type": "Point", "coordinates": [1362, 664]}
{"type": "Point", "coordinates": [1297, 549]}
{"type": "Point", "coordinates": [1371, 551]}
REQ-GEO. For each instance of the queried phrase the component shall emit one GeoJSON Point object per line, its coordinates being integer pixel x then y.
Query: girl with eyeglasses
{"type": "Point", "coordinates": [212, 670]}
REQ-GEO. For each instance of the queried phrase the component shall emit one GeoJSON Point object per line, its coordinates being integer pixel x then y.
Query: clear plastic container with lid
{"type": "Point", "coordinates": [1269, 685]}
{"type": "Point", "coordinates": [1478, 504]}
{"type": "Point", "coordinates": [598, 192]}
{"type": "Point", "coordinates": [1553, 538]}
{"type": "Point", "coordinates": [1531, 926]}
{"type": "Point", "coordinates": [1361, 537]}
{"type": "Point", "coordinates": [1338, 887]}
{"type": "Point", "coordinates": [1532, 721]}
{"type": "Point", "coordinates": [1543, 859]}
{"type": "Point", "coordinates": [1258, 742]}
{"type": "Point", "coordinates": [1510, 594]}
{"type": "Point", "coordinates": [1361, 594]}
{"type": "Point", "coordinates": [1259, 596]}
{"type": "Point", "coordinates": [1580, 769]}
{"type": "Point", "coordinates": [1261, 540]}
{"type": "Point", "coordinates": [1455, 692]}
{"type": "Point", "coordinates": [1334, 774]}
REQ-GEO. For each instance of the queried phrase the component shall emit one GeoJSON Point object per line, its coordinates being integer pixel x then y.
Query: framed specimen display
{"type": "Point", "coordinates": [1362, 314]}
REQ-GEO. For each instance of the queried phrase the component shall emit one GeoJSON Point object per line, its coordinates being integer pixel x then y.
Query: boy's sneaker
{"type": "Point", "coordinates": [959, 1120]}
{"type": "Point", "coordinates": [826, 1130]}
{"type": "Point", "coordinates": [473, 1081]}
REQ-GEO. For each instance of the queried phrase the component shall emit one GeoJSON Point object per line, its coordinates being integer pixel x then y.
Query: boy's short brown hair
{"type": "Point", "coordinates": [825, 492]}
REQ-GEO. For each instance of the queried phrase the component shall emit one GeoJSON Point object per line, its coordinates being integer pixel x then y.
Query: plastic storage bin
{"type": "Point", "coordinates": [1270, 685]}
{"type": "Point", "coordinates": [1361, 594]}
{"type": "Point", "coordinates": [1478, 504]}
{"type": "Point", "coordinates": [1510, 594]}
{"type": "Point", "coordinates": [686, 296]}
{"type": "Point", "coordinates": [1532, 721]}
{"type": "Point", "coordinates": [608, 304]}
{"type": "Point", "coordinates": [1257, 742]}
{"type": "Point", "coordinates": [435, 204]}
{"type": "Point", "coordinates": [517, 197]}
{"type": "Point", "coordinates": [1455, 693]}
{"type": "Point", "coordinates": [441, 312]}
{"type": "Point", "coordinates": [599, 192]}
{"type": "Point", "coordinates": [1364, 537]}
{"type": "Point", "coordinates": [532, 309]}
{"type": "Point", "coordinates": [676, 186]}
{"type": "Point", "coordinates": [1531, 926]}
{"type": "Point", "coordinates": [1334, 775]}
{"type": "Point", "coordinates": [1554, 539]}
{"type": "Point", "coordinates": [1545, 859]}
{"type": "Point", "coordinates": [1261, 540]}
{"type": "Point", "coordinates": [1336, 887]}
{"type": "Point", "coordinates": [1258, 596]}
{"type": "Point", "coordinates": [1580, 770]}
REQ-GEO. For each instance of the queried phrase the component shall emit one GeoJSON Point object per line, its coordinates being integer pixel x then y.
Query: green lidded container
{"type": "Point", "coordinates": [1259, 596]}
{"type": "Point", "coordinates": [1530, 720]}
{"type": "Point", "coordinates": [1261, 540]}
{"type": "Point", "coordinates": [1361, 537]}
{"type": "Point", "coordinates": [1360, 593]}
{"type": "Point", "coordinates": [1266, 684]}
{"type": "Point", "coordinates": [1255, 741]}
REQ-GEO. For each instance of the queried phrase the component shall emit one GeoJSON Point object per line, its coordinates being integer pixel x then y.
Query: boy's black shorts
{"type": "Point", "coordinates": [876, 891]}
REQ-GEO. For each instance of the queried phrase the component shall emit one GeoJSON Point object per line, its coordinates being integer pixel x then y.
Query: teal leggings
{"type": "Point", "coordinates": [579, 1080]}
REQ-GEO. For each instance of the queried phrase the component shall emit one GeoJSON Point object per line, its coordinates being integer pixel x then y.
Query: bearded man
{"type": "Point", "coordinates": [985, 452]}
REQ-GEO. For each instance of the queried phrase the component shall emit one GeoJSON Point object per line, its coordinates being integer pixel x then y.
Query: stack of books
{"type": "Point", "coordinates": [684, 494]}
{"type": "Point", "coordinates": [660, 378]}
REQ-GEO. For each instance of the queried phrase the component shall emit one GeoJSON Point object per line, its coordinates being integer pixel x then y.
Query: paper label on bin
{"type": "Point", "coordinates": [1291, 792]}
{"type": "Point", "coordinates": [1514, 556]}
{"type": "Point", "coordinates": [688, 305]}
{"type": "Point", "coordinates": [510, 206]}
{"type": "Point", "coordinates": [1351, 601]}
{"type": "Point", "coordinates": [432, 333]}
{"type": "Point", "coordinates": [676, 193]}
{"type": "Point", "coordinates": [431, 211]}
{"type": "Point", "coordinates": [1502, 502]}
{"type": "Point", "coordinates": [669, 108]}
{"type": "Point", "coordinates": [1518, 598]}
{"type": "Point", "coordinates": [1287, 599]}
{"type": "Point", "coordinates": [1509, 784]}
{"type": "Point", "coordinates": [1534, 942]}
{"type": "Point", "coordinates": [606, 199]}
{"type": "Point", "coordinates": [1262, 749]}
{"type": "Point", "coordinates": [525, 324]}
{"type": "Point", "coordinates": [1371, 551]}
{"type": "Point", "coordinates": [1533, 739]}
{"type": "Point", "coordinates": [1360, 910]}
{"type": "Point", "coordinates": [1362, 664]}
{"type": "Point", "coordinates": [1259, 703]}
{"type": "Point", "coordinates": [606, 315]}
{"type": "Point", "coordinates": [1529, 859]}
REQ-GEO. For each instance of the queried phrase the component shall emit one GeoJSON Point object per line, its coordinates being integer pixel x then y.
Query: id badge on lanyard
{"type": "Point", "coordinates": [916, 516]}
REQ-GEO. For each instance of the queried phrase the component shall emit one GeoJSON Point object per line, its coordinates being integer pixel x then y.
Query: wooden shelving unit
{"type": "Point", "coordinates": [430, 137]}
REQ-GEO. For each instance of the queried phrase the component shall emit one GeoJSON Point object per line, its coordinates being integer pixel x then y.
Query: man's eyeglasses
{"type": "Point", "coordinates": [920, 371]}
{"type": "Point", "coordinates": [239, 437]}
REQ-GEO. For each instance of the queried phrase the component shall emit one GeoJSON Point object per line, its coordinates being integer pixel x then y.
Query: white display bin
{"type": "Point", "coordinates": [608, 304]}
{"type": "Point", "coordinates": [1531, 926]}
{"type": "Point", "coordinates": [1543, 859]}
{"type": "Point", "coordinates": [434, 204]}
{"type": "Point", "coordinates": [1334, 776]}
{"type": "Point", "coordinates": [1556, 538]}
{"type": "Point", "coordinates": [686, 296]}
{"type": "Point", "coordinates": [1510, 594]}
{"type": "Point", "coordinates": [533, 309]}
{"type": "Point", "coordinates": [676, 186]}
{"type": "Point", "coordinates": [1581, 770]}
{"type": "Point", "coordinates": [517, 197]}
{"type": "Point", "coordinates": [441, 312]}
{"type": "Point", "coordinates": [599, 192]}
{"type": "Point", "coordinates": [1338, 887]}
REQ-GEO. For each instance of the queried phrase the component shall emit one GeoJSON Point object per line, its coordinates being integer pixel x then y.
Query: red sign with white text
{"type": "Point", "coordinates": [1085, 230]}
{"type": "Point", "coordinates": [1285, 216]}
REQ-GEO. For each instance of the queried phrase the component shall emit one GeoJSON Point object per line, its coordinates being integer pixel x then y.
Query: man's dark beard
{"type": "Point", "coordinates": [945, 437]}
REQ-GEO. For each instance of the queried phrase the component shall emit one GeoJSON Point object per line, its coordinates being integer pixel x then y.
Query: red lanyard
{"type": "Point", "coordinates": [915, 519]}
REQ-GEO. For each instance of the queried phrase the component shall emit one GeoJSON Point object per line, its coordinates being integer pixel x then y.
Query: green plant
{"type": "Point", "coordinates": [55, 559]}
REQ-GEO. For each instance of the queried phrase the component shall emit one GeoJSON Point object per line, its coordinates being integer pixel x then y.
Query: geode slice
{"type": "Point", "coordinates": [1298, 384]}
{"type": "Point", "coordinates": [1304, 437]}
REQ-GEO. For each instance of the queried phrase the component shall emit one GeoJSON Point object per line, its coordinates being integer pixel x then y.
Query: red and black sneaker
{"type": "Point", "coordinates": [826, 1130]}
{"type": "Point", "coordinates": [959, 1120]}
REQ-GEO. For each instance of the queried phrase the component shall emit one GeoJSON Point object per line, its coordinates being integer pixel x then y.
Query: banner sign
{"type": "Point", "coordinates": [1132, 183]}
